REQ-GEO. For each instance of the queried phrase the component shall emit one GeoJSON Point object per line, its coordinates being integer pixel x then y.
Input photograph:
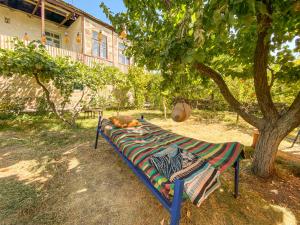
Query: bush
{"type": "Point", "coordinates": [32, 61]}
{"type": "Point", "coordinates": [13, 105]}
{"type": "Point", "coordinates": [42, 106]}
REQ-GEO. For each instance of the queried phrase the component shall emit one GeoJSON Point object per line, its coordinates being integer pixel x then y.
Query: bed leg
{"type": "Point", "coordinates": [176, 204]}
{"type": "Point", "coordinates": [98, 130]}
{"type": "Point", "coordinates": [236, 178]}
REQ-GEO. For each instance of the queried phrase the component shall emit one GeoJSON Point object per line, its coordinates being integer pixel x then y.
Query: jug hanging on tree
{"type": "Point", "coordinates": [181, 112]}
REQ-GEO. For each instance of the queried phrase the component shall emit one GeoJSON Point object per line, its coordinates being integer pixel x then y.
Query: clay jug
{"type": "Point", "coordinates": [181, 112]}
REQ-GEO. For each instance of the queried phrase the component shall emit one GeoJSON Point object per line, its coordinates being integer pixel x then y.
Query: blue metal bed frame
{"type": "Point", "coordinates": [173, 207]}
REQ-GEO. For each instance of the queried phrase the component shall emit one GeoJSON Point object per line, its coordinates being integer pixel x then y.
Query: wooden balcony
{"type": "Point", "coordinates": [7, 42]}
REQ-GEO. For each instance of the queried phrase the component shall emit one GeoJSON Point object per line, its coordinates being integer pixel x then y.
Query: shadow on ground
{"type": "Point", "coordinates": [54, 176]}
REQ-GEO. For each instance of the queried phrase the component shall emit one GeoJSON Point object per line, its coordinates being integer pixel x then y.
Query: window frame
{"type": "Point", "coordinates": [104, 37]}
{"type": "Point", "coordinates": [53, 39]}
{"type": "Point", "coordinates": [100, 47]}
{"type": "Point", "coordinates": [125, 60]}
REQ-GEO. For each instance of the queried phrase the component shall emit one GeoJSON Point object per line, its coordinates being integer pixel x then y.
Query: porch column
{"type": "Point", "coordinates": [43, 16]}
{"type": "Point", "coordinates": [82, 34]}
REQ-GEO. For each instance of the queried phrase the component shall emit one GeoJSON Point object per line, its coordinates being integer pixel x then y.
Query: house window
{"type": "Point", "coordinates": [123, 59]}
{"type": "Point", "coordinates": [52, 39]}
{"type": "Point", "coordinates": [99, 49]}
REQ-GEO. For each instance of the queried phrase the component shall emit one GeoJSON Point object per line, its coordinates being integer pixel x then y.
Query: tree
{"type": "Point", "coordinates": [32, 61]}
{"type": "Point", "coordinates": [223, 38]}
{"type": "Point", "coordinates": [139, 80]}
{"type": "Point", "coordinates": [120, 87]}
{"type": "Point", "coordinates": [155, 92]}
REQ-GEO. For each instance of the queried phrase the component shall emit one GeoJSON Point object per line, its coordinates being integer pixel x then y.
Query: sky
{"type": "Point", "coordinates": [92, 7]}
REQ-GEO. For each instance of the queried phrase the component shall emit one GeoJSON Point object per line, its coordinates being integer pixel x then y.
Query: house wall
{"type": "Point", "coordinates": [18, 88]}
{"type": "Point", "coordinates": [21, 22]}
{"type": "Point", "coordinates": [72, 32]}
{"type": "Point", "coordinates": [24, 89]}
{"type": "Point", "coordinates": [91, 26]}
{"type": "Point", "coordinates": [112, 42]}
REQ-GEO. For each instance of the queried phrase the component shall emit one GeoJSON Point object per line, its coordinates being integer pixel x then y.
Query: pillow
{"type": "Point", "coordinates": [124, 121]}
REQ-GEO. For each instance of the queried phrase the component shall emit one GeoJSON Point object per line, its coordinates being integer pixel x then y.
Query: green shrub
{"type": "Point", "coordinates": [42, 106]}
{"type": "Point", "coordinates": [13, 105]}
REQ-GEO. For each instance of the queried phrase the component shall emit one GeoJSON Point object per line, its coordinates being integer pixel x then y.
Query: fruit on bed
{"type": "Point", "coordinates": [124, 121]}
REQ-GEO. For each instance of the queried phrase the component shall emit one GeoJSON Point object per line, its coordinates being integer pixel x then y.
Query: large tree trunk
{"type": "Point", "coordinates": [265, 152]}
{"type": "Point", "coordinates": [272, 128]}
{"type": "Point", "coordinates": [271, 135]}
{"type": "Point", "coordinates": [266, 148]}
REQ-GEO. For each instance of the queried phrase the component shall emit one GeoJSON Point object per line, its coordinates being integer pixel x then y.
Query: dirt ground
{"type": "Point", "coordinates": [50, 175]}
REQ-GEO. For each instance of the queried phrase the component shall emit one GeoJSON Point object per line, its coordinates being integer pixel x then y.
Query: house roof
{"type": "Point", "coordinates": [57, 11]}
{"type": "Point", "coordinates": [62, 3]}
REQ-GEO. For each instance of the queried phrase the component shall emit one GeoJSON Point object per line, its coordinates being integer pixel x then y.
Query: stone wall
{"type": "Point", "coordinates": [23, 88]}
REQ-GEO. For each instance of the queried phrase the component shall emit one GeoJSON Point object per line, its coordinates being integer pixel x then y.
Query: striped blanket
{"type": "Point", "coordinates": [140, 143]}
{"type": "Point", "coordinates": [200, 180]}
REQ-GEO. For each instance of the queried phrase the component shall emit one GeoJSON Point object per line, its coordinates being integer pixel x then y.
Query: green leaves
{"type": "Point", "coordinates": [33, 59]}
{"type": "Point", "coordinates": [59, 75]}
{"type": "Point", "coordinates": [199, 37]}
{"type": "Point", "coordinates": [221, 34]}
{"type": "Point", "coordinates": [217, 17]}
{"type": "Point", "coordinates": [63, 73]}
{"type": "Point", "coordinates": [140, 81]}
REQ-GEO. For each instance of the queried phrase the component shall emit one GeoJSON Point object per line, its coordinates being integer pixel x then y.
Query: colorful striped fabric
{"type": "Point", "coordinates": [140, 143]}
{"type": "Point", "coordinates": [168, 161]}
{"type": "Point", "coordinates": [200, 180]}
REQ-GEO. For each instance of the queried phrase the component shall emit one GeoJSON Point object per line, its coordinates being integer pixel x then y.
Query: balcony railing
{"type": "Point", "coordinates": [7, 42]}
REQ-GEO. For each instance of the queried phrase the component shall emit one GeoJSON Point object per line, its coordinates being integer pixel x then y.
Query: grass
{"type": "Point", "coordinates": [17, 197]}
{"type": "Point", "coordinates": [50, 174]}
{"type": "Point", "coordinates": [290, 165]}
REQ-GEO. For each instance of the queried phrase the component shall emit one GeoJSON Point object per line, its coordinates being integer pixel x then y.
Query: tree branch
{"type": "Point", "coordinates": [76, 112]}
{"type": "Point", "coordinates": [291, 119]}
{"type": "Point", "coordinates": [260, 68]}
{"type": "Point", "coordinates": [272, 77]}
{"type": "Point", "coordinates": [235, 104]}
{"type": "Point", "coordinates": [168, 4]}
{"type": "Point", "coordinates": [63, 105]}
{"type": "Point", "coordinates": [50, 102]}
